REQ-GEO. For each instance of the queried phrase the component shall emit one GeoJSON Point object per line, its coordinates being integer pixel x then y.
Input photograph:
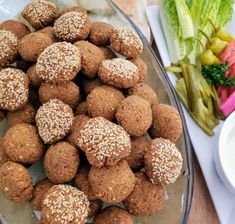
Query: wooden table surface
{"type": "Point", "coordinates": [202, 210]}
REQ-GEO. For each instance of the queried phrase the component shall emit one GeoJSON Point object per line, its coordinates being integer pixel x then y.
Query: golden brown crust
{"type": "Point", "coordinates": [166, 123]}
{"type": "Point", "coordinates": [15, 182]}
{"type": "Point", "coordinates": [146, 198]}
{"type": "Point", "coordinates": [23, 144]}
{"type": "Point", "coordinates": [61, 162]}
{"type": "Point", "coordinates": [112, 184]}
{"type": "Point", "coordinates": [134, 114]}
{"type": "Point", "coordinates": [143, 69]}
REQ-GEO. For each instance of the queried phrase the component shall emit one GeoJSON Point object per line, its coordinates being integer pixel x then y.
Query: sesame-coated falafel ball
{"type": "Point", "coordinates": [40, 13]}
{"type": "Point", "coordinates": [134, 114]}
{"type": "Point", "coordinates": [89, 84]}
{"type": "Point", "coordinates": [112, 184]}
{"type": "Point", "coordinates": [73, 9]}
{"type": "Point", "coordinates": [25, 115]}
{"type": "Point", "coordinates": [3, 156]}
{"type": "Point", "coordinates": [119, 73]}
{"type": "Point", "coordinates": [126, 42]}
{"type": "Point", "coordinates": [39, 192]}
{"type": "Point", "coordinates": [8, 47]}
{"type": "Point", "coordinates": [59, 62]}
{"type": "Point", "coordinates": [139, 146]}
{"type": "Point", "coordinates": [104, 142]}
{"type": "Point", "coordinates": [163, 162]}
{"type": "Point", "coordinates": [14, 89]}
{"type": "Point", "coordinates": [166, 123]}
{"type": "Point", "coordinates": [61, 162]}
{"type": "Point", "coordinates": [16, 27]}
{"type": "Point", "coordinates": [113, 214]}
{"type": "Point", "coordinates": [103, 101]}
{"type": "Point", "coordinates": [54, 120]}
{"type": "Point", "coordinates": [144, 91]}
{"type": "Point", "coordinates": [78, 124]}
{"type": "Point", "coordinates": [82, 183]}
{"type": "Point", "coordinates": [23, 144]}
{"type": "Point", "coordinates": [100, 33]}
{"type": "Point", "coordinates": [143, 69]}
{"type": "Point", "coordinates": [16, 182]}
{"type": "Point", "coordinates": [34, 79]}
{"type": "Point", "coordinates": [73, 205]}
{"type": "Point", "coordinates": [92, 57]}
{"type": "Point", "coordinates": [38, 42]}
{"type": "Point", "coordinates": [72, 26]}
{"type": "Point", "coordinates": [146, 199]}
{"type": "Point", "coordinates": [68, 92]}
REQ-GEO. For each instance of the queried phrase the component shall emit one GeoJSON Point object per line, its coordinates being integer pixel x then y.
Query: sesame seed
{"type": "Point", "coordinates": [13, 89]}
{"type": "Point", "coordinates": [128, 37]}
{"type": "Point", "coordinates": [166, 161]}
{"type": "Point", "coordinates": [119, 67]}
{"type": "Point", "coordinates": [103, 139]}
{"type": "Point", "coordinates": [8, 44]}
{"type": "Point", "coordinates": [69, 26]}
{"type": "Point", "coordinates": [65, 204]}
{"type": "Point", "coordinates": [58, 61]}
{"type": "Point", "coordinates": [54, 120]}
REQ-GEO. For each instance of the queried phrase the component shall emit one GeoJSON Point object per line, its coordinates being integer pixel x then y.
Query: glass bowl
{"type": "Point", "coordinates": [178, 195]}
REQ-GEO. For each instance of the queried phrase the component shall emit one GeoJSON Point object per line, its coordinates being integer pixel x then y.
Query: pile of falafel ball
{"type": "Point", "coordinates": [70, 101]}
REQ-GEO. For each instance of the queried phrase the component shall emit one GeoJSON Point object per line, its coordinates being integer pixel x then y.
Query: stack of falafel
{"type": "Point", "coordinates": [70, 101]}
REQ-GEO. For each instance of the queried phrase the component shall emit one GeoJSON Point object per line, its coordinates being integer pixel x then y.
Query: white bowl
{"type": "Point", "coordinates": [225, 153]}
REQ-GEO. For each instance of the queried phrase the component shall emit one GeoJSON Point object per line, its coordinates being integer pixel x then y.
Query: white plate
{"type": "Point", "coordinates": [204, 145]}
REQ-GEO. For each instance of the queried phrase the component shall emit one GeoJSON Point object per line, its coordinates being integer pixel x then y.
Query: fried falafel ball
{"type": "Point", "coordinates": [59, 62]}
{"type": "Point", "coordinates": [104, 142]}
{"type": "Point", "coordinates": [38, 42]}
{"type": "Point", "coordinates": [72, 26]}
{"type": "Point", "coordinates": [163, 162]}
{"type": "Point", "coordinates": [166, 123]}
{"type": "Point", "coordinates": [8, 47]}
{"type": "Point", "coordinates": [16, 182]}
{"type": "Point", "coordinates": [81, 109]}
{"type": "Point", "coordinates": [40, 13]}
{"type": "Point", "coordinates": [103, 101]}
{"type": "Point", "coordinates": [22, 143]}
{"type": "Point", "coordinates": [144, 91]}
{"type": "Point", "coordinates": [61, 162]}
{"type": "Point", "coordinates": [16, 27]}
{"type": "Point", "coordinates": [92, 57]}
{"type": "Point", "coordinates": [25, 115]}
{"type": "Point", "coordinates": [100, 33]}
{"type": "Point", "coordinates": [68, 92]}
{"type": "Point", "coordinates": [54, 121]}
{"type": "Point", "coordinates": [3, 156]}
{"type": "Point", "coordinates": [113, 214]}
{"type": "Point", "coordinates": [50, 32]}
{"type": "Point", "coordinates": [119, 73]}
{"type": "Point", "coordinates": [73, 204]}
{"type": "Point", "coordinates": [108, 53]}
{"type": "Point", "coordinates": [126, 42]}
{"type": "Point", "coordinates": [134, 114]}
{"type": "Point", "coordinates": [14, 89]}
{"type": "Point", "coordinates": [112, 184]}
{"type": "Point", "coordinates": [39, 193]}
{"type": "Point", "coordinates": [89, 84]}
{"type": "Point", "coordinates": [146, 199]}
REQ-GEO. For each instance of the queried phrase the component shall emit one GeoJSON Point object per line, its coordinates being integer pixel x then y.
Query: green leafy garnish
{"type": "Point", "coordinates": [216, 75]}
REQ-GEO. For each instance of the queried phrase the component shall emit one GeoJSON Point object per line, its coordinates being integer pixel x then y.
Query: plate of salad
{"type": "Point", "coordinates": [196, 42]}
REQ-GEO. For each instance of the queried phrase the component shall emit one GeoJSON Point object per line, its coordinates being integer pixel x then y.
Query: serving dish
{"type": "Point", "coordinates": [224, 154]}
{"type": "Point", "coordinates": [178, 195]}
